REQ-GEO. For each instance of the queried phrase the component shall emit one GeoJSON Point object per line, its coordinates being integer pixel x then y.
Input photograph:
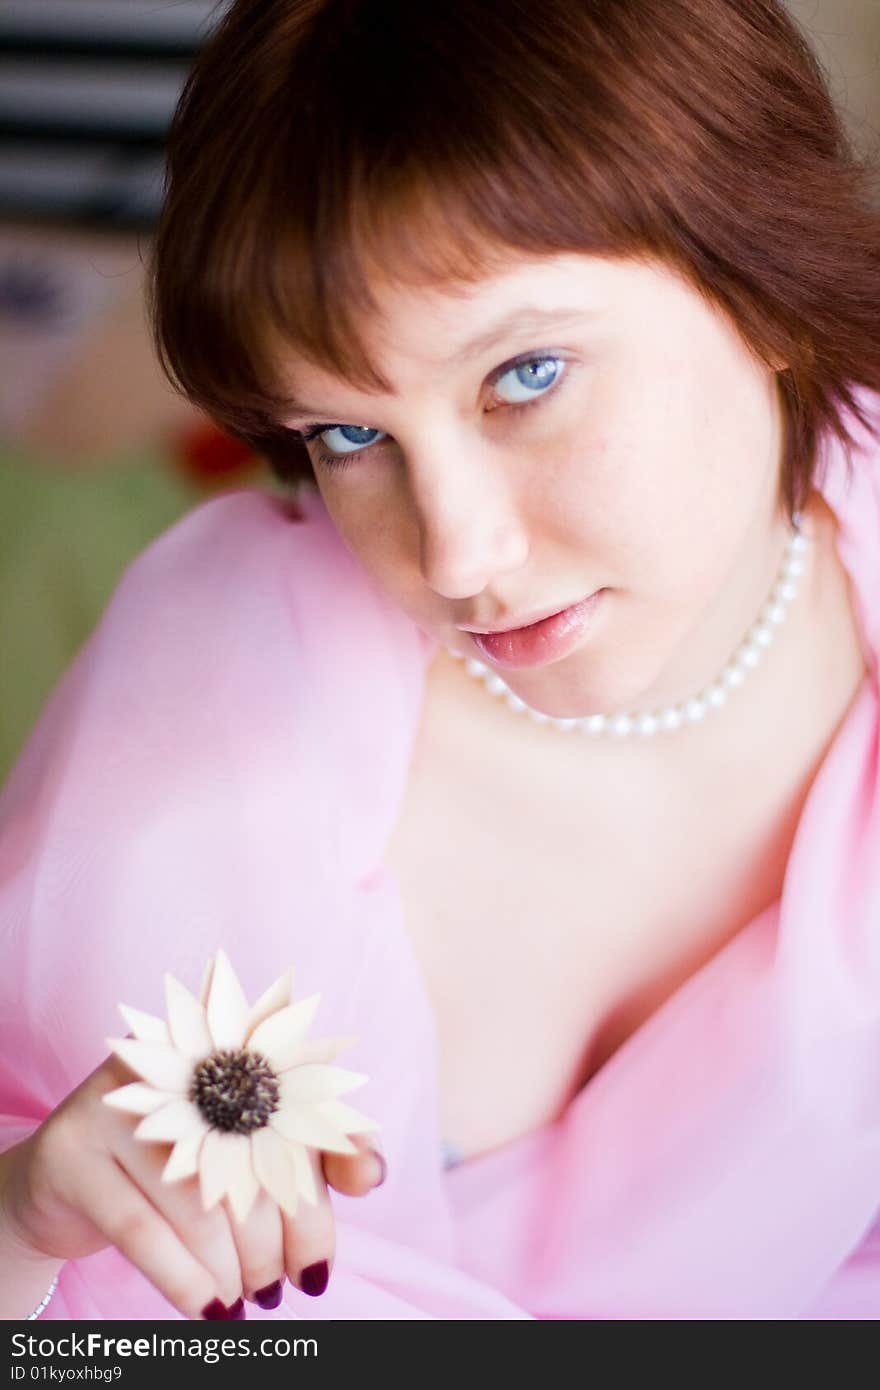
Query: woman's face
{"type": "Point", "coordinates": [570, 424]}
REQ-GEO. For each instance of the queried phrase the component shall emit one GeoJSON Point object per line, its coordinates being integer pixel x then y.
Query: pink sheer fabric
{"type": "Point", "coordinates": [222, 765]}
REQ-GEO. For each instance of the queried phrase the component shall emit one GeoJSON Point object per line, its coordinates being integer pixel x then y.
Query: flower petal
{"type": "Point", "coordinates": [318, 1050]}
{"type": "Point", "coordinates": [305, 1173]}
{"type": "Point", "coordinates": [145, 1027]}
{"type": "Point", "coordinates": [179, 1119]}
{"type": "Point", "coordinates": [161, 1066]}
{"type": "Point", "coordinates": [137, 1099]}
{"type": "Point", "coordinates": [233, 1165]}
{"type": "Point", "coordinates": [310, 1050]}
{"type": "Point", "coordinates": [316, 1082]}
{"type": "Point", "coordinates": [349, 1120]}
{"type": "Point", "coordinates": [187, 1023]}
{"type": "Point", "coordinates": [276, 997]}
{"type": "Point", "coordinates": [278, 1036]}
{"type": "Point", "coordinates": [205, 986]}
{"type": "Point", "coordinates": [227, 1006]}
{"type": "Point", "coordinates": [214, 1166]}
{"type": "Point", "coordinates": [242, 1186]}
{"type": "Point", "coordinates": [306, 1126]}
{"type": "Point", "coordinates": [184, 1160]}
{"type": "Point", "coordinates": [275, 1168]}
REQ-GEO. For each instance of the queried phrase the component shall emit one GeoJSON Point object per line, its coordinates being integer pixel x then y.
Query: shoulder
{"type": "Point", "coordinates": [235, 536]}
{"type": "Point", "coordinates": [247, 617]}
{"type": "Point", "coordinates": [251, 560]}
{"type": "Point", "coordinates": [244, 660]}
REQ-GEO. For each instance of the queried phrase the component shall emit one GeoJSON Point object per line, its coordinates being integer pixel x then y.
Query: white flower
{"type": "Point", "coordinates": [240, 1092]}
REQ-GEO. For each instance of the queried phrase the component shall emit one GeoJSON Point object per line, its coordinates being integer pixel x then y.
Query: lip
{"type": "Point", "coordinates": [536, 618]}
{"type": "Point", "coordinates": [542, 642]}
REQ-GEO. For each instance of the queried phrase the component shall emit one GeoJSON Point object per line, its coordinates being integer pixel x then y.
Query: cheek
{"type": "Point", "coordinates": [383, 539]}
{"type": "Point", "coordinates": [646, 521]}
{"type": "Point", "coordinates": [620, 494]}
{"type": "Point", "coordinates": [352, 522]}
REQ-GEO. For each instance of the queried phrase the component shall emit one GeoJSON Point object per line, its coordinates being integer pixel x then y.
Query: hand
{"type": "Point", "coordinates": [82, 1182]}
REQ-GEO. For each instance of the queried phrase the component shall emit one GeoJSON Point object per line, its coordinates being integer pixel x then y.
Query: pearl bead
{"type": "Point", "coordinates": [732, 676]}
{"type": "Point", "coordinates": [693, 711]}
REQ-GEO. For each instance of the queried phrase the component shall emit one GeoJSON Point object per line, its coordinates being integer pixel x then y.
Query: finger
{"type": "Point", "coordinates": [356, 1174]}
{"type": "Point", "coordinates": [259, 1240]}
{"type": "Point", "coordinates": [310, 1234]}
{"type": "Point", "coordinates": [144, 1237]}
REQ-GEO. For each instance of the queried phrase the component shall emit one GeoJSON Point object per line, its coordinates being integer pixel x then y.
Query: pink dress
{"type": "Point", "coordinates": [222, 765]}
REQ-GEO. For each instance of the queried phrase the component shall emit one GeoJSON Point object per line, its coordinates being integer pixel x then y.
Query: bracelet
{"type": "Point", "coordinates": [45, 1303]}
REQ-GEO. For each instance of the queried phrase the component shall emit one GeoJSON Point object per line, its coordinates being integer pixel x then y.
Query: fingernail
{"type": "Point", "coordinates": [383, 1167]}
{"type": "Point", "coordinates": [215, 1311]}
{"type": "Point", "coordinates": [270, 1296]}
{"type": "Point", "coordinates": [314, 1278]}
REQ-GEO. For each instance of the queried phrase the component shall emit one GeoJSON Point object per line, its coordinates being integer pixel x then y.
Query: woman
{"type": "Point", "coordinates": [571, 308]}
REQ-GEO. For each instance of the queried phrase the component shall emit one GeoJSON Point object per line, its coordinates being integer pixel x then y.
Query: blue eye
{"type": "Point", "coordinates": [530, 378]}
{"type": "Point", "coordinates": [355, 436]}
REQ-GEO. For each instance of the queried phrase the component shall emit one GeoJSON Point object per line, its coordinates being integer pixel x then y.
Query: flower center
{"type": "Point", "coordinates": [235, 1090]}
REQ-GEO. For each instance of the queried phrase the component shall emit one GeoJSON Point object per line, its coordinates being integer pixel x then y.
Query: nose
{"type": "Point", "coordinates": [468, 513]}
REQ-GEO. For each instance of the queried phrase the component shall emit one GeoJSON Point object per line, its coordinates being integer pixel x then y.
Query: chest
{"type": "Point", "coordinates": [547, 929]}
{"type": "Point", "coordinates": [555, 900]}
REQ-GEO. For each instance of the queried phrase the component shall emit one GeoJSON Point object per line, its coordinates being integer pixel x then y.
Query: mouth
{"type": "Point", "coordinates": [522, 624]}
{"type": "Point", "coordinates": [542, 642]}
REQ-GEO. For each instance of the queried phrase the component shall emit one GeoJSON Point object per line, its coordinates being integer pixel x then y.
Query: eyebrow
{"type": "Point", "coordinates": [532, 318]}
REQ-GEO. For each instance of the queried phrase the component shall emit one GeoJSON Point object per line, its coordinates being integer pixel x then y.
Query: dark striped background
{"type": "Point", "coordinates": [87, 88]}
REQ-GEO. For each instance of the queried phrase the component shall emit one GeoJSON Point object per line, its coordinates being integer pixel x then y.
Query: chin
{"type": "Point", "coordinates": [613, 698]}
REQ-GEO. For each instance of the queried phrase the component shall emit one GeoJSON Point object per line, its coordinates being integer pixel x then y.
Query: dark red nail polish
{"type": "Point", "coordinates": [314, 1278]}
{"type": "Point", "coordinates": [270, 1296]}
{"type": "Point", "coordinates": [215, 1311]}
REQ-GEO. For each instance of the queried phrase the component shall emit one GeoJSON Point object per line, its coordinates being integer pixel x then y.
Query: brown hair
{"type": "Point", "coordinates": [316, 140]}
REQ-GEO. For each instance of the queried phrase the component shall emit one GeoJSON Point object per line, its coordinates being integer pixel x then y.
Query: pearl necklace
{"type": "Point", "coordinates": [692, 711]}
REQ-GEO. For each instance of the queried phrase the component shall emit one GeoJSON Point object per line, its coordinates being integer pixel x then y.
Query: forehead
{"type": "Point", "coordinates": [522, 289]}
{"type": "Point", "coordinates": [452, 325]}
